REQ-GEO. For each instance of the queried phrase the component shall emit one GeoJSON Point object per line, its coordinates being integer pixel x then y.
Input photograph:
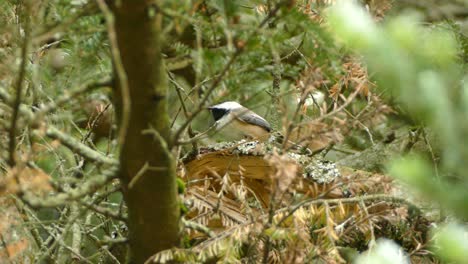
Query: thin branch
{"type": "Point", "coordinates": [5, 96]}
{"type": "Point", "coordinates": [329, 226]}
{"type": "Point", "coordinates": [5, 246]}
{"type": "Point", "coordinates": [221, 75]}
{"type": "Point", "coordinates": [199, 136]}
{"type": "Point", "coordinates": [79, 147]}
{"type": "Point", "coordinates": [108, 212]}
{"type": "Point", "coordinates": [105, 211]}
{"type": "Point", "coordinates": [65, 139]}
{"type": "Point", "coordinates": [290, 128]}
{"type": "Point", "coordinates": [275, 89]}
{"type": "Point", "coordinates": [113, 241]}
{"type": "Point", "coordinates": [42, 36]}
{"type": "Point", "coordinates": [76, 235]}
{"type": "Point", "coordinates": [48, 46]}
{"type": "Point", "coordinates": [104, 246]}
{"type": "Point", "coordinates": [202, 103]}
{"type": "Point", "coordinates": [184, 108]}
{"type": "Point", "coordinates": [120, 71]}
{"type": "Point", "coordinates": [95, 122]}
{"type": "Point", "coordinates": [141, 172]}
{"type": "Point", "coordinates": [198, 227]}
{"type": "Point", "coordinates": [86, 188]}
{"type": "Point", "coordinates": [369, 221]}
{"type": "Point", "coordinates": [45, 109]}
{"type": "Point", "coordinates": [271, 214]}
{"type": "Point", "coordinates": [19, 85]}
{"type": "Point", "coordinates": [48, 33]}
{"type": "Point", "coordinates": [24, 213]}
{"type": "Point", "coordinates": [58, 241]}
{"type": "Point", "coordinates": [357, 199]}
{"type": "Point", "coordinates": [334, 112]}
{"type": "Point", "coordinates": [433, 156]}
{"type": "Point", "coordinates": [153, 132]}
{"type": "Point", "coordinates": [366, 198]}
{"type": "Point", "coordinates": [192, 90]}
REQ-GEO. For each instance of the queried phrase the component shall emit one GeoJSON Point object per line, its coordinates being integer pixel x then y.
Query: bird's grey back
{"type": "Point", "coordinates": [253, 118]}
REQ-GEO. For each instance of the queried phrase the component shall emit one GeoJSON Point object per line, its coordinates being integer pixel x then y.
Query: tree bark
{"type": "Point", "coordinates": [150, 194]}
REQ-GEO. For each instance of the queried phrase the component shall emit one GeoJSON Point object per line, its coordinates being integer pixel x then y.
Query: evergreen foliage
{"type": "Point", "coordinates": [373, 94]}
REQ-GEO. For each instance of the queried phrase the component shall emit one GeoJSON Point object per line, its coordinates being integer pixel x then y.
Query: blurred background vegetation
{"type": "Point", "coordinates": [378, 86]}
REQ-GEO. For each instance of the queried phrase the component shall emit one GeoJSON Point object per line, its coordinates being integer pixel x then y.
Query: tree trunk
{"type": "Point", "coordinates": [151, 194]}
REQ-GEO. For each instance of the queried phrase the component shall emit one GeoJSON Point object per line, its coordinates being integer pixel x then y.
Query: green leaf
{"type": "Point", "coordinates": [450, 243]}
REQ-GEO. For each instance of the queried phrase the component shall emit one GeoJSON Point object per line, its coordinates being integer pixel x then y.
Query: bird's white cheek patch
{"type": "Point", "coordinates": [223, 122]}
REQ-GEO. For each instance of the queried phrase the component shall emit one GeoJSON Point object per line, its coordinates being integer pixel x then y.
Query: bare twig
{"type": "Point", "coordinates": [104, 211]}
{"type": "Point", "coordinates": [19, 85]}
{"type": "Point", "coordinates": [120, 71]}
{"type": "Point", "coordinates": [371, 138]}
{"type": "Point", "coordinates": [192, 90]}
{"type": "Point", "coordinates": [202, 103]}
{"type": "Point", "coordinates": [357, 199]}
{"type": "Point", "coordinates": [153, 132]}
{"type": "Point", "coordinates": [4, 245]}
{"type": "Point", "coordinates": [433, 156]}
{"type": "Point", "coordinates": [291, 125]}
{"type": "Point", "coordinates": [413, 137]}
{"type": "Point", "coordinates": [48, 46]}
{"type": "Point", "coordinates": [100, 244]}
{"type": "Point", "coordinates": [184, 108]}
{"type": "Point", "coordinates": [79, 147]}
{"type": "Point", "coordinates": [198, 227]}
{"type": "Point", "coordinates": [26, 219]}
{"type": "Point", "coordinates": [141, 172]}
{"type": "Point", "coordinates": [197, 137]}
{"type": "Point", "coordinates": [70, 95]}
{"type": "Point", "coordinates": [369, 221]}
{"type": "Point", "coordinates": [329, 226]}
{"type": "Point", "coordinates": [88, 187]}
{"type": "Point", "coordinates": [95, 123]}
{"type": "Point", "coordinates": [42, 36]}
{"type": "Point", "coordinates": [221, 75]}
{"type": "Point", "coordinates": [334, 112]}
{"type": "Point", "coordinates": [58, 241]}
{"type": "Point", "coordinates": [67, 140]}
{"type": "Point", "coordinates": [275, 89]}
{"type": "Point", "coordinates": [271, 214]}
{"type": "Point", "coordinates": [77, 237]}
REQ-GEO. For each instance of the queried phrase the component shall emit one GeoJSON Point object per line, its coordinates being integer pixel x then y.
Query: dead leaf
{"type": "Point", "coordinates": [14, 249]}
{"type": "Point", "coordinates": [25, 179]}
{"type": "Point", "coordinates": [285, 170]}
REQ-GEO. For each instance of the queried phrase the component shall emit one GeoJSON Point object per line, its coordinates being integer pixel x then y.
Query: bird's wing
{"type": "Point", "coordinates": [252, 118]}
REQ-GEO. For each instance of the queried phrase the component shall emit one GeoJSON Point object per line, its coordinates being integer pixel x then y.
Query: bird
{"type": "Point", "coordinates": [233, 119]}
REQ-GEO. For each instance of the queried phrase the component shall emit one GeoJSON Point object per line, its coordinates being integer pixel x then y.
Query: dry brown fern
{"type": "Point", "coordinates": [311, 221]}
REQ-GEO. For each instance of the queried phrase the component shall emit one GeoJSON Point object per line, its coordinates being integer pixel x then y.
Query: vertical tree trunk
{"type": "Point", "coordinates": [152, 195]}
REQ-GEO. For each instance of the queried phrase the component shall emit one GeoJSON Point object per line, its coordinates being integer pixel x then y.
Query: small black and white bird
{"type": "Point", "coordinates": [233, 119]}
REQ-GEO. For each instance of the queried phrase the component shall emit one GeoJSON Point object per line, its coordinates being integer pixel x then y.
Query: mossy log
{"type": "Point", "coordinates": [217, 176]}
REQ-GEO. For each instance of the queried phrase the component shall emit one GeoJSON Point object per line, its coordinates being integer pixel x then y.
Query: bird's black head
{"type": "Point", "coordinates": [218, 113]}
